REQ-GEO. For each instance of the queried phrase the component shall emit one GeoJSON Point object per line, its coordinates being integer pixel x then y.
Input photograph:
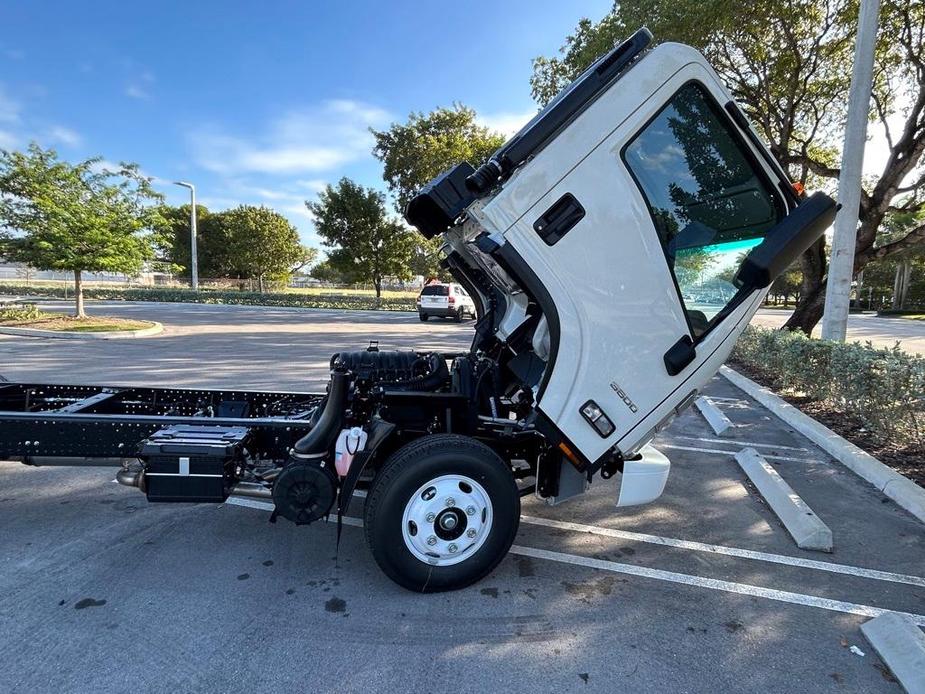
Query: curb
{"type": "Point", "coordinates": [902, 490]}
{"type": "Point", "coordinates": [901, 645]}
{"type": "Point", "coordinates": [804, 526]}
{"type": "Point", "coordinates": [67, 335]}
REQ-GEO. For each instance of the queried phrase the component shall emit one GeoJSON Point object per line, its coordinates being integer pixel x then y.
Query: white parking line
{"type": "Point", "coordinates": [741, 443]}
{"type": "Point", "coordinates": [732, 453]}
{"type": "Point", "coordinates": [814, 564]}
{"type": "Point", "coordinates": [713, 584]}
{"type": "Point", "coordinates": [668, 542]}
{"type": "Point", "coordinates": [267, 506]}
{"type": "Point", "coordinates": [670, 576]}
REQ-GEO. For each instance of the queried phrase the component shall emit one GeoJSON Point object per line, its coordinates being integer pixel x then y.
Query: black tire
{"type": "Point", "coordinates": [459, 316]}
{"type": "Point", "coordinates": [397, 482]}
{"type": "Point", "coordinates": [423, 316]}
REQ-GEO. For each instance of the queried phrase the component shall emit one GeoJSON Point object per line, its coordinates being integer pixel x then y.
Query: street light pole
{"type": "Point", "coordinates": [194, 265]}
{"type": "Point", "coordinates": [844, 240]}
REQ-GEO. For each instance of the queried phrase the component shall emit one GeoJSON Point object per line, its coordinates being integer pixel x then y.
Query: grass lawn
{"type": "Point", "coordinates": [335, 291]}
{"type": "Point", "coordinates": [61, 322]}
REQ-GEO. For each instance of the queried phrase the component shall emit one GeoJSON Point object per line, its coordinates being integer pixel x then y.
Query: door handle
{"type": "Point", "coordinates": [559, 219]}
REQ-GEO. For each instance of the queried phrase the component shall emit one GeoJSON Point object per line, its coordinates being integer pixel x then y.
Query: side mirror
{"type": "Point", "coordinates": [785, 242]}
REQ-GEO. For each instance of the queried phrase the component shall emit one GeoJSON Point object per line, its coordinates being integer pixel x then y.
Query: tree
{"type": "Point", "coordinates": [262, 244]}
{"type": "Point", "coordinates": [365, 244]}
{"type": "Point", "coordinates": [226, 243]}
{"type": "Point", "coordinates": [788, 65]}
{"type": "Point", "coordinates": [426, 145]}
{"type": "Point", "coordinates": [787, 284]}
{"type": "Point", "coordinates": [76, 217]}
{"type": "Point", "coordinates": [173, 246]}
{"type": "Point", "coordinates": [416, 151]}
{"type": "Point", "coordinates": [326, 273]}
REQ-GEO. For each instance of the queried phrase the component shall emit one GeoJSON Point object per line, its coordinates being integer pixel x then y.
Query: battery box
{"type": "Point", "coordinates": [192, 462]}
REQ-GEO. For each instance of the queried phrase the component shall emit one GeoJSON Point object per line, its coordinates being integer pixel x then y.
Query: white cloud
{"type": "Point", "coordinates": [140, 81]}
{"type": "Point", "coordinates": [506, 122]}
{"type": "Point", "coordinates": [137, 92]}
{"type": "Point", "coordinates": [65, 136]}
{"type": "Point", "coordinates": [9, 107]}
{"type": "Point", "coordinates": [319, 138]}
{"type": "Point", "coordinates": [8, 140]}
{"type": "Point", "coordinates": [315, 185]}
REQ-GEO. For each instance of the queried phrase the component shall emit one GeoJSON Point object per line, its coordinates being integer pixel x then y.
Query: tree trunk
{"type": "Point", "coordinates": [78, 295]}
{"type": "Point", "coordinates": [859, 289]}
{"type": "Point", "coordinates": [260, 284]}
{"type": "Point", "coordinates": [808, 312]}
{"type": "Point", "coordinates": [901, 284]}
{"type": "Point", "coordinates": [811, 300]}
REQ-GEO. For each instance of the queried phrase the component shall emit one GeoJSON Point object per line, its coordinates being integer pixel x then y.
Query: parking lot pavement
{"type": "Point", "coordinates": [702, 591]}
{"type": "Point", "coordinates": [863, 327]}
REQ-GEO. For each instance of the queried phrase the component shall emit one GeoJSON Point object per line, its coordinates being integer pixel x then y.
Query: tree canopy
{"type": "Point", "coordinates": [76, 217]}
{"type": "Point", "coordinates": [419, 149]}
{"type": "Point", "coordinates": [246, 242]}
{"type": "Point", "coordinates": [365, 244]}
{"type": "Point", "coordinates": [426, 145]}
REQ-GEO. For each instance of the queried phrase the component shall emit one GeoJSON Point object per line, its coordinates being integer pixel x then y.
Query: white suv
{"type": "Point", "coordinates": [446, 301]}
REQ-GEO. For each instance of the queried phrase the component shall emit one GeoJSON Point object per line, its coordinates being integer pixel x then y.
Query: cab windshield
{"type": "Point", "coordinates": [709, 202]}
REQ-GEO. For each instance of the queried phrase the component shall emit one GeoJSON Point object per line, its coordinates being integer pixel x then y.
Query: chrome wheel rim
{"type": "Point", "coordinates": [447, 520]}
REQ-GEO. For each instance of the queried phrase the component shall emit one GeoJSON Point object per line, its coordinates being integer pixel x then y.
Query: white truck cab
{"type": "Point", "coordinates": [620, 243]}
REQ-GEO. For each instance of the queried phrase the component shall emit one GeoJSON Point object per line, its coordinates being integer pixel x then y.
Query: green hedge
{"type": "Point", "coordinates": [884, 388]}
{"type": "Point", "coordinates": [209, 296]}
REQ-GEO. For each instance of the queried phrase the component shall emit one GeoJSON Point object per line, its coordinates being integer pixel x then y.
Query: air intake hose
{"type": "Point", "coordinates": [319, 440]}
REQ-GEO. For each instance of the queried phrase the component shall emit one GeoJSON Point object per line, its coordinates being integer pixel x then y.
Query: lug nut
{"type": "Point", "coordinates": [431, 517]}
{"type": "Point", "coordinates": [432, 540]}
{"type": "Point", "coordinates": [450, 501]}
{"type": "Point", "coordinates": [471, 510]}
{"type": "Point", "coordinates": [453, 548]}
{"type": "Point", "coordinates": [470, 532]}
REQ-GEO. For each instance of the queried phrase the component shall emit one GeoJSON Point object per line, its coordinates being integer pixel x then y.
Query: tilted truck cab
{"type": "Point", "coordinates": [620, 228]}
{"type": "Point", "coordinates": [615, 248]}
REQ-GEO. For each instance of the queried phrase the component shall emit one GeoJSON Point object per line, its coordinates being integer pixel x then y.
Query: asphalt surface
{"type": "Point", "coordinates": [863, 327]}
{"type": "Point", "coordinates": [100, 591]}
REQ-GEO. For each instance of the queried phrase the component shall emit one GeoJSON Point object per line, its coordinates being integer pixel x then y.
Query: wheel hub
{"type": "Point", "coordinates": [450, 524]}
{"type": "Point", "coordinates": [447, 520]}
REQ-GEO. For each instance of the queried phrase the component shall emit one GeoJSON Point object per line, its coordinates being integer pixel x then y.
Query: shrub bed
{"type": "Point", "coordinates": [210, 296]}
{"type": "Point", "coordinates": [883, 388]}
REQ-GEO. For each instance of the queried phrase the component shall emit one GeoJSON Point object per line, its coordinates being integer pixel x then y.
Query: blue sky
{"type": "Point", "coordinates": [261, 103]}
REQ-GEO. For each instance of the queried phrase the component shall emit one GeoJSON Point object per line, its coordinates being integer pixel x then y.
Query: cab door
{"type": "Point", "coordinates": [670, 202]}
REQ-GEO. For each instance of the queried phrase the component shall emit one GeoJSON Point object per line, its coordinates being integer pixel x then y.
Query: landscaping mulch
{"type": "Point", "coordinates": [59, 322]}
{"type": "Point", "coordinates": [908, 461]}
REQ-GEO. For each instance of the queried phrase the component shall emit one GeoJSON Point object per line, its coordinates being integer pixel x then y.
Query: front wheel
{"type": "Point", "coordinates": [442, 513]}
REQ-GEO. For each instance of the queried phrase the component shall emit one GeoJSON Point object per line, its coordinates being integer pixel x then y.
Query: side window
{"type": "Point", "coordinates": [709, 203]}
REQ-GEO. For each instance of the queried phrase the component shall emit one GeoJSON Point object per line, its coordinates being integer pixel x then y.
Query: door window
{"type": "Point", "coordinates": [709, 200]}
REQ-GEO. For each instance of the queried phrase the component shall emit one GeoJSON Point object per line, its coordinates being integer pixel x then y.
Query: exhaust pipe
{"type": "Point", "coordinates": [251, 489]}
{"type": "Point", "coordinates": [131, 477]}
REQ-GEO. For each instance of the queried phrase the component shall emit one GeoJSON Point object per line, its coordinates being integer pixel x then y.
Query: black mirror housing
{"type": "Point", "coordinates": [786, 241]}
